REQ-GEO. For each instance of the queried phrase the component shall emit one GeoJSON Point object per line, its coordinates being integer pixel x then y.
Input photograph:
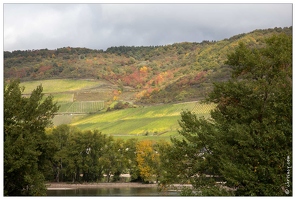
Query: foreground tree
{"type": "Point", "coordinates": [82, 154]}
{"type": "Point", "coordinates": [131, 159]}
{"type": "Point", "coordinates": [59, 138]}
{"type": "Point", "coordinates": [86, 156]}
{"type": "Point", "coordinates": [25, 152]}
{"type": "Point", "coordinates": [148, 161]}
{"type": "Point", "coordinates": [248, 139]}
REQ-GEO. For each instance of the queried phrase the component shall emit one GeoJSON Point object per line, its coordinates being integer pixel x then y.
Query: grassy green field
{"type": "Point", "coordinates": [157, 122]}
{"type": "Point", "coordinates": [60, 85]}
{"type": "Point", "coordinates": [63, 97]}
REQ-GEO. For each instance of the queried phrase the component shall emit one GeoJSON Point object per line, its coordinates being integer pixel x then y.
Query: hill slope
{"type": "Point", "coordinates": [171, 73]}
{"type": "Point", "coordinates": [157, 122]}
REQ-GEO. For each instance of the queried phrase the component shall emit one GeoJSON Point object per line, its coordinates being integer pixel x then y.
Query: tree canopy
{"type": "Point", "coordinates": [25, 150]}
{"type": "Point", "coordinates": [246, 142]}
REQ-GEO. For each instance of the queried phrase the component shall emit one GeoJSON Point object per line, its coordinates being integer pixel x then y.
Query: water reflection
{"type": "Point", "coordinates": [110, 192]}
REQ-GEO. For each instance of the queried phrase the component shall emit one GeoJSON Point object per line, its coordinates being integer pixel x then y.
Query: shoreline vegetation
{"type": "Point", "coordinates": [65, 186]}
{"type": "Point", "coordinates": [73, 186]}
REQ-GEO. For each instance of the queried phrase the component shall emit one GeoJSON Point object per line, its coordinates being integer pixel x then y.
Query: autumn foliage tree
{"type": "Point", "coordinates": [148, 160]}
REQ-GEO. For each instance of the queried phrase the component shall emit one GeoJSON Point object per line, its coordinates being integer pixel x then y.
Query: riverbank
{"type": "Point", "coordinates": [67, 186]}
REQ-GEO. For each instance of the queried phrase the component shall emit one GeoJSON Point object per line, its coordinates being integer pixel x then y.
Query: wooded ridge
{"type": "Point", "coordinates": [160, 74]}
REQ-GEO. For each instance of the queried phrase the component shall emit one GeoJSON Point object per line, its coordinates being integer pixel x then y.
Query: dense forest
{"type": "Point", "coordinates": [243, 149]}
{"type": "Point", "coordinates": [160, 74]}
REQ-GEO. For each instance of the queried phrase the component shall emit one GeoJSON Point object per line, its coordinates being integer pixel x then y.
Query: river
{"type": "Point", "coordinates": [108, 191]}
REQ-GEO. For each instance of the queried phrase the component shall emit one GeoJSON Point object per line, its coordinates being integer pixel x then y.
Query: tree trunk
{"type": "Point", "coordinates": [58, 175]}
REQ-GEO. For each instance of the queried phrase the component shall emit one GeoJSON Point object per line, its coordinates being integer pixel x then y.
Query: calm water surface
{"type": "Point", "coordinates": [110, 192]}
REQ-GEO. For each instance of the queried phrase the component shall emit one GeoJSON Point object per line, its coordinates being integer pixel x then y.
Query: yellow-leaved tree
{"type": "Point", "coordinates": [148, 161]}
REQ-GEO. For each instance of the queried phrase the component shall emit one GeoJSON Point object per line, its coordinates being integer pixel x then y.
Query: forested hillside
{"type": "Point", "coordinates": [158, 74]}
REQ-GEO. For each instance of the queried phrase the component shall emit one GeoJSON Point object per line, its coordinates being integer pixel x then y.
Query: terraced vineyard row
{"type": "Point", "coordinates": [203, 109]}
{"type": "Point", "coordinates": [81, 107]}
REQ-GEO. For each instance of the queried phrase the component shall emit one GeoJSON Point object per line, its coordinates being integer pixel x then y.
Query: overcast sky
{"type": "Point", "coordinates": [99, 26]}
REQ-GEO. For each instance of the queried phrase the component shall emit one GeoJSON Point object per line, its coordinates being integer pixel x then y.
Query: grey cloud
{"type": "Point", "coordinates": [99, 26]}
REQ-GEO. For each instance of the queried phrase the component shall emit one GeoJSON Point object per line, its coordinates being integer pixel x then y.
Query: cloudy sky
{"type": "Point", "coordinates": [99, 26]}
